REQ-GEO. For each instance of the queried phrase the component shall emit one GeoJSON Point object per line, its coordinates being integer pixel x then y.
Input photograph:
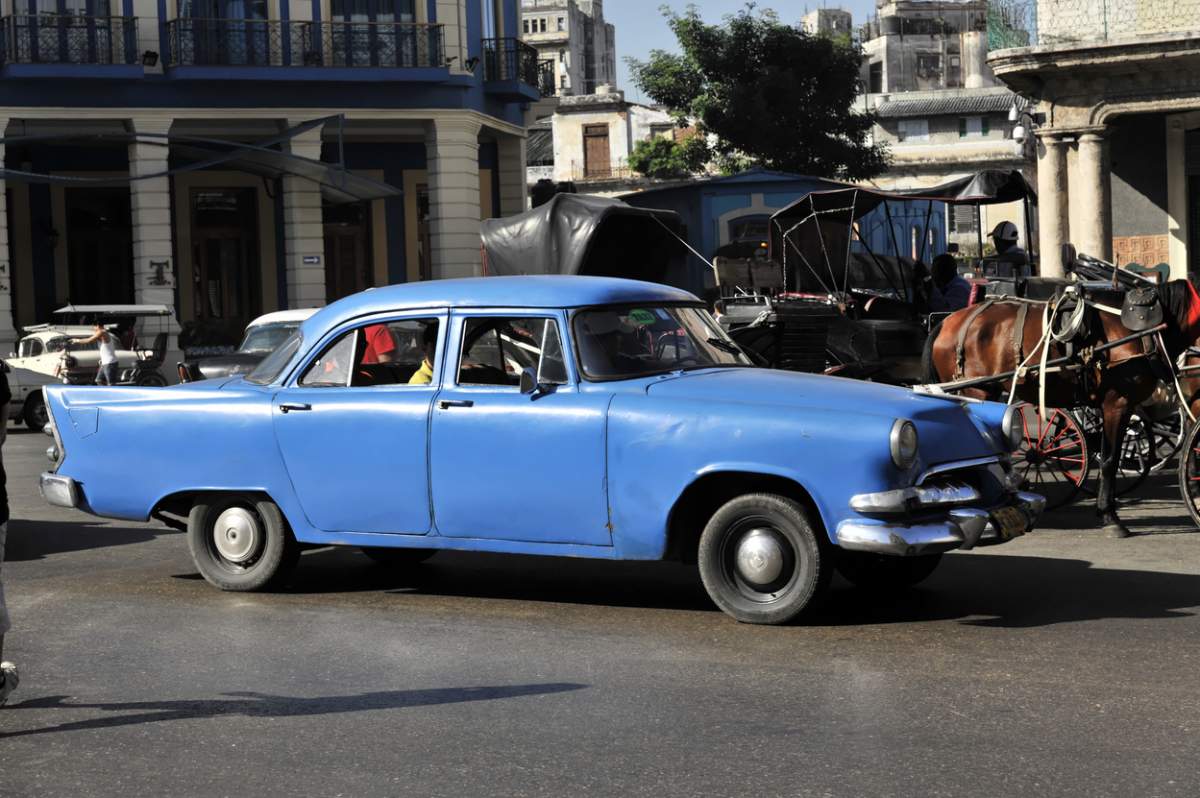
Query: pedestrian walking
{"type": "Point", "coordinates": [107, 373]}
{"type": "Point", "coordinates": [8, 671]}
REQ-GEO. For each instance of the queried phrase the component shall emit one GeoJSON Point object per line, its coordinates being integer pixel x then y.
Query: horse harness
{"type": "Point", "coordinates": [1072, 317]}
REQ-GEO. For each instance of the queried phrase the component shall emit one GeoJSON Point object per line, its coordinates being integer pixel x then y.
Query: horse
{"type": "Point", "coordinates": [982, 341]}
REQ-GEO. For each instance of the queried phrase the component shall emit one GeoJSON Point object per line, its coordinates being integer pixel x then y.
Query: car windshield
{"type": "Point", "coordinates": [265, 337]}
{"type": "Point", "coordinates": [634, 341]}
{"type": "Point", "coordinates": [268, 370]}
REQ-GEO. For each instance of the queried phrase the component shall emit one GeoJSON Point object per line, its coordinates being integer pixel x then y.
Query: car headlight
{"type": "Point", "coordinates": [1013, 427]}
{"type": "Point", "coordinates": [903, 443]}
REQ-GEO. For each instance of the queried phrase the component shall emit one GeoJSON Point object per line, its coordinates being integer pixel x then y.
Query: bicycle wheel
{"type": "Point", "coordinates": [1053, 459]}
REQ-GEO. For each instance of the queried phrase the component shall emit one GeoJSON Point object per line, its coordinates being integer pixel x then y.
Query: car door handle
{"type": "Point", "coordinates": [446, 404]}
{"type": "Point", "coordinates": [287, 407]}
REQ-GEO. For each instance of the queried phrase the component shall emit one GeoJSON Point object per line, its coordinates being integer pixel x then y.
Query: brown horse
{"type": "Point", "coordinates": [1114, 381]}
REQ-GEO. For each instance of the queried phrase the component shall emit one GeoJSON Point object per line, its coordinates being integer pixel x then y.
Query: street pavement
{"type": "Point", "coordinates": [1064, 663]}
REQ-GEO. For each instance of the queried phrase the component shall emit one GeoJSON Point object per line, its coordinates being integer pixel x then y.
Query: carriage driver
{"type": "Point", "coordinates": [949, 292]}
{"type": "Point", "coordinates": [1005, 238]}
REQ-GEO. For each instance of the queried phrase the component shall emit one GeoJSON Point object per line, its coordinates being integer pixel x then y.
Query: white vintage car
{"type": "Point", "coordinates": [42, 348]}
{"type": "Point", "coordinates": [28, 404]}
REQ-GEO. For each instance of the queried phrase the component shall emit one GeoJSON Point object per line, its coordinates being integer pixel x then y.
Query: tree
{"type": "Point", "coordinates": [666, 158]}
{"type": "Point", "coordinates": [768, 93]}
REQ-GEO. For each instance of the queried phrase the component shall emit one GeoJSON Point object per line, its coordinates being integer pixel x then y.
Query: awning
{"type": "Point", "coordinates": [194, 153]}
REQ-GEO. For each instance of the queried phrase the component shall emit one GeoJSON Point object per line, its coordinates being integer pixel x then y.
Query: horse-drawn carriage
{"type": "Point", "coordinates": [831, 298]}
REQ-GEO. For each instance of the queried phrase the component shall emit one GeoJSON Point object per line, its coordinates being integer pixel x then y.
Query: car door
{"type": "Point", "coordinates": [511, 466]}
{"type": "Point", "coordinates": [353, 431]}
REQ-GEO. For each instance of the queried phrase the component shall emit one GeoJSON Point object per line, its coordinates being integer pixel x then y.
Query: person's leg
{"type": "Point", "coordinates": [8, 672]}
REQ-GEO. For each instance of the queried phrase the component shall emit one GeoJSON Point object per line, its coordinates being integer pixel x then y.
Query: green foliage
{"type": "Point", "coordinates": [768, 93]}
{"type": "Point", "coordinates": [665, 158]}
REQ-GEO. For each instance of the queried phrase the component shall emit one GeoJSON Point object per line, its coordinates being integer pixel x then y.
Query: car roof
{"type": "Point", "coordinates": [280, 316]}
{"type": "Point", "coordinates": [526, 291]}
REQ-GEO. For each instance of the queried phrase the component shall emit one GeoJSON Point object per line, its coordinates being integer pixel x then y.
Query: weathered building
{"type": "Point", "coordinates": [1115, 92]}
{"type": "Point", "coordinates": [589, 139]}
{"type": "Point", "coordinates": [574, 36]}
{"type": "Point", "coordinates": [828, 22]}
{"type": "Point", "coordinates": [940, 109]}
{"type": "Point", "coordinates": [114, 112]}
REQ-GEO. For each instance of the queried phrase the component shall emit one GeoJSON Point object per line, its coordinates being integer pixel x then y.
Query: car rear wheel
{"type": "Point", "coordinates": [761, 560]}
{"type": "Point", "coordinates": [397, 558]}
{"type": "Point", "coordinates": [35, 415]}
{"type": "Point", "coordinates": [241, 543]}
{"type": "Point", "coordinates": [879, 572]}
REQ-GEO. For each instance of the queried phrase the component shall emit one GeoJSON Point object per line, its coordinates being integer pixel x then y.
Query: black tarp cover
{"type": "Point", "coordinates": [815, 230]}
{"type": "Point", "coordinates": [583, 234]}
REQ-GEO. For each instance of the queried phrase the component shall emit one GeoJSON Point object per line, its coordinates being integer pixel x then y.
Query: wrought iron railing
{"type": "Point", "coordinates": [260, 42]}
{"type": "Point", "coordinates": [68, 39]}
{"type": "Point", "coordinates": [511, 59]}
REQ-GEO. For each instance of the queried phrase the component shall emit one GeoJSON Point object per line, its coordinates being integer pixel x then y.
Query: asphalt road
{"type": "Point", "coordinates": [1062, 664]}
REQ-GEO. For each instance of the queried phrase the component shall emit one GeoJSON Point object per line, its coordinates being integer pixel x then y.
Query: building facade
{"type": "Point", "coordinates": [940, 109]}
{"type": "Point", "coordinates": [573, 36]}
{"type": "Point", "coordinates": [1114, 93]}
{"type": "Point", "coordinates": [109, 113]}
{"type": "Point", "coordinates": [832, 22]}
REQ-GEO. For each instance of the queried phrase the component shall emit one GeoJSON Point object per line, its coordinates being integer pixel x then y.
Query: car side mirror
{"type": "Point", "coordinates": [529, 383]}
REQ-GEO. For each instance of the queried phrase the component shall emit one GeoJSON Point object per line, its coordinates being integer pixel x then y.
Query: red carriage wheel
{"type": "Point", "coordinates": [1189, 472]}
{"type": "Point", "coordinates": [1053, 460]}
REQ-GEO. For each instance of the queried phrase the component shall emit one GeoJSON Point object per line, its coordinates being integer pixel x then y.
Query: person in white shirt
{"type": "Point", "coordinates": [107, 373]}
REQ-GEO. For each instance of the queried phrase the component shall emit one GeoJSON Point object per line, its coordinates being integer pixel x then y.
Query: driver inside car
{"type": "Point", "coordinates": [604, 344]}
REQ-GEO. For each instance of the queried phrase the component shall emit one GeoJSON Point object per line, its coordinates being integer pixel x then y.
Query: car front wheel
{"type": "Point", "coordinates": [879, 572]}
{"type": "Point", "coordinates": [761, 560]}
{"type": "Point", "coordinates": [241, 543]}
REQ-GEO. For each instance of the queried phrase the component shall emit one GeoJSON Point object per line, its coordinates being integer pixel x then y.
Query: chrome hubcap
{"type": "Point", "coordinates": [759, 557]}
{"type": "Point", "coordinates": [237, 534]}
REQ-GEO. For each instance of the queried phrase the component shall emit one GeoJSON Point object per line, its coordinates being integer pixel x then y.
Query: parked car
{"type": "Point", "coordinates": [55, 349]}
{"type": "Point", "coordinates": [28, 404]}
{"type": "Point", "coordinates": [569, 416]}
{"type": "Point", "coordinates": [262, 336]}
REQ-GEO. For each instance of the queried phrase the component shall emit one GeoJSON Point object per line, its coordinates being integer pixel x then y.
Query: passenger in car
{"type": "Point", "coordinates": [380, 346]}
{"type": "Point", "coordinates": [424, 374]}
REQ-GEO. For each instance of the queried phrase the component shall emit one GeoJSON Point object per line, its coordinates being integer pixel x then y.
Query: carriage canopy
{"type": "Point", "coordinates": [582, 234]}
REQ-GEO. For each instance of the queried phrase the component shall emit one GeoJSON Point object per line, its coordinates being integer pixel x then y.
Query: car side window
{"type": "Point", "coordinates": [401, 352]}
{"type": "Point", "coordinates": [31, 347]}
{"type": "Point", "coordinates": [497, 348]}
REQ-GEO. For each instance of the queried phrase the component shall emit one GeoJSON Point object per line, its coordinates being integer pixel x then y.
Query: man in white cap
{"type": "Point", "coordinates": [1005, 238]}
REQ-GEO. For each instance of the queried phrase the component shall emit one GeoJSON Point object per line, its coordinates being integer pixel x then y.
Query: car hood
{"type": "Point", "coordinates": [945, 427]}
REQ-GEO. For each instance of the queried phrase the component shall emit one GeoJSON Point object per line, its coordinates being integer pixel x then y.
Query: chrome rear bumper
{"type": "Point", "coordinates": [59, 491]}
{"type": "Point", "coordinates": [960, 529]}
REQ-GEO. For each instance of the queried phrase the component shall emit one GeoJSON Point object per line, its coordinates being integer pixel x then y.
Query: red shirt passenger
{"type": "Point", "coordinates": [379, 346]}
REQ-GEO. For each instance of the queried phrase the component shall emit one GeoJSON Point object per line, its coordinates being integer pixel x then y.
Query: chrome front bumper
{"type": "Point", "coordinates": [963, 528]}
{"type": "Point", "coordinates": [60, 491]}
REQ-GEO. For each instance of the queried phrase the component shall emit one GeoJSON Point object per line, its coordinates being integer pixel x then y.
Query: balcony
{"type": "Point", "coordinates": [310, 49]}
{"type": "Point", "coordinates": [511, 69]}
{"type": "Point", "coordinates": [59, 44]}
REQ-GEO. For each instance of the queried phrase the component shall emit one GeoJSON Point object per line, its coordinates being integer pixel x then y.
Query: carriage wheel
{"type": "Point", "coordinates": [1168, 438]}
{"type": "Point", "coordinates": [1053, 460]}
{"type": "Point", "coordinates": [1189, 472]}
{"type": "Point", "coordinates": [1139, 449]}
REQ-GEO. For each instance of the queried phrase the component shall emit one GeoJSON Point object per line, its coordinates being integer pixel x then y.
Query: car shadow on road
{"type": "Point", "coordinates": [264, 705]}
{"type": "Point", "coordinates": [33, 540]}
{"type": "Point", "coordinates": [1020, 592]}
{"type": "Point", "coordinates": [975, 588]}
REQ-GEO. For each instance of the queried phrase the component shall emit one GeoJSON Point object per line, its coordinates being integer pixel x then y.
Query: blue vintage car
{"type": "Point", "coordinates": [567, 416]}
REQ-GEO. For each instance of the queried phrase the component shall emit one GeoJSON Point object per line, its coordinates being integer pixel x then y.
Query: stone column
{"type": "Point", "coordinates": [150, 204]}
{"type": "Point", "coordinates": [303, 230]}
{"type": "Point", "coordinates": [513, 187]}
{"type": "Point", "coordinates": [8, 332]}
{"type": "Point", "coordinates": [452, 161]}
{"type": "Point", "coordinates": [1053, 219]}
{"type": "Point", "coordinates": [1092, 189]}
